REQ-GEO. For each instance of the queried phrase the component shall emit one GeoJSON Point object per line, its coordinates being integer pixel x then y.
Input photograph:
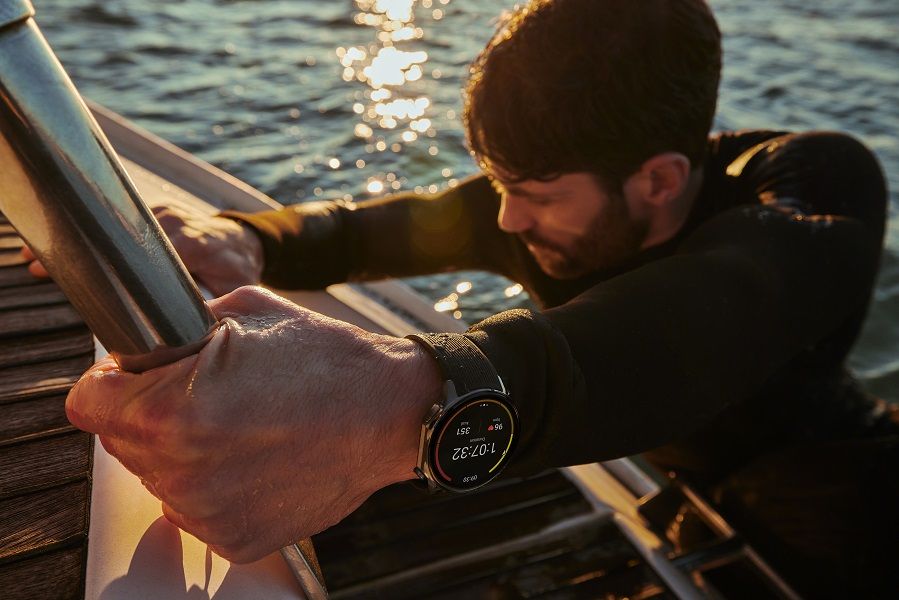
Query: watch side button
{"type": "Point", "coordinates": [432, 415]}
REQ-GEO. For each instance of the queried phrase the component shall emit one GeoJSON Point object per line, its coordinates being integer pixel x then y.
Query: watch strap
{"type": "Point", "coordinates": [461, 361]}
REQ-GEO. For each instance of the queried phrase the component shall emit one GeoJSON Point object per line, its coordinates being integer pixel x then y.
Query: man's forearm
{"type": "Point", "coordinates": [310, 246]}
{"type": "Point", "coordinates": [303, 246]}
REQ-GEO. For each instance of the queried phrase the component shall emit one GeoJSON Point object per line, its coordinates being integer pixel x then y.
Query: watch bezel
{"type": "Point", "coordinates": [442, 414]}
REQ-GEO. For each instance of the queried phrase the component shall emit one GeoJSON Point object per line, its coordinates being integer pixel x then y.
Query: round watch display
{"type": "Point", "coordinates": [473, 442]}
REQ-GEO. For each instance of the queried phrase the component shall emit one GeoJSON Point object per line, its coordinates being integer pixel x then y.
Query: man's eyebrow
{"type": "Point", "coordinates": [520, 191]}
{"type": "Point", "coordinates": [509, 187]}
{"type": "Point", "coordinates": [516, 189]}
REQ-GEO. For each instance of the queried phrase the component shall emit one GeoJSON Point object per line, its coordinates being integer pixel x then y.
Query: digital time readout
{"type": "Point", "coordinates": [474, 444]}
{"type": "Point", "coordinates": [473, 451]}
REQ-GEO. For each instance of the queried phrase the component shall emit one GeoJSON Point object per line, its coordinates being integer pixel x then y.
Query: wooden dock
{"type": "Point", "coordinates": [45, 463]}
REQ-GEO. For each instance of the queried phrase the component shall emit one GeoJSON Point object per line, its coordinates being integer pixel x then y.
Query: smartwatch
{"type": "Point", "coordinates": [468, 436]}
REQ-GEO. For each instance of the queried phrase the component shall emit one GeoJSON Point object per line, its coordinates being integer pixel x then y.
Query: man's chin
{"type": "Point", "coordinates": [557, 266]}
{"type": "Point", "coordinates": [562, 272]}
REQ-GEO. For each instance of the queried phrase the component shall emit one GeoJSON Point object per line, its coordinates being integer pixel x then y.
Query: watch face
{"type": "Point", "coordinates": [473, 444]}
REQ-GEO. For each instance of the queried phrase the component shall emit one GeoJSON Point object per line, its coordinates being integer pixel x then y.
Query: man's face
{"type": "Point", "coordinates": [570, 224]}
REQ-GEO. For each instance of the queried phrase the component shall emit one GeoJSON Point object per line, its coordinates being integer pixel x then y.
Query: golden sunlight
{"type": "Point", "coordinates": [387, 66]}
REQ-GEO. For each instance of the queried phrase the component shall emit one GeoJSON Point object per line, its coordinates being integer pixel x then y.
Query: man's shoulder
{"type": "Point", "coordinates": [728, 145]}
{"type": "Point", "coordinates": [746, 136]}
{"type": "Point", "coordinates": [733, 143]}
{"type": "Point", "coordinates": [815, 172]}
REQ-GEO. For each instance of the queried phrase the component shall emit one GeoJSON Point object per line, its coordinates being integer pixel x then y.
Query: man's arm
{"type": "Point", "coordinates": [310, 246]}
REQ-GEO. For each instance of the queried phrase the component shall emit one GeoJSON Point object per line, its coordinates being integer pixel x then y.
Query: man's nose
{"type": "Point", "coordinates": [513, 215]}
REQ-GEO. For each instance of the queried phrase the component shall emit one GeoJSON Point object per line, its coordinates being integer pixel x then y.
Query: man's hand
{"type": "Point", "coordinates": [282, 425]}
{"type": "Point", "coordinates": [34, 265]}
{"type": "Point", "coordinates": [221, 253]}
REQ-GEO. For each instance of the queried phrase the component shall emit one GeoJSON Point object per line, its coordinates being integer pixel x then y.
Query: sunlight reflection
{"type": "Point", "coordinates": [463, 287]}
{"type": "Point", "coordinates": [397, 10]}
{"type": "Point", "coordinates": [394, 67]}
{"type": "Point", "coordinates": [513, 290]}
{"type": "Point", "coordinates": [392, 110]}
{"type": "Point", "coordinates": [447, 304]}
{"type": "Point", "coordinates": [375, 186]}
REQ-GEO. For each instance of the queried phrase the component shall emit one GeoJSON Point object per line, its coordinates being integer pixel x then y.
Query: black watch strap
{"type": "Point", "coordinates": [461, 361]}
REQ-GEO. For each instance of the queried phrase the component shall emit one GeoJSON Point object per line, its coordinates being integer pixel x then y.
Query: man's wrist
{"type": "Point", "coordinates": [416, 385]}
{"type": "Point", "coordinates": [252, 249]}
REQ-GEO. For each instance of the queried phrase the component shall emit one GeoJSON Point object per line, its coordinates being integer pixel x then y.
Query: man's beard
{"type": "Point", "coordinates": [611, 238]}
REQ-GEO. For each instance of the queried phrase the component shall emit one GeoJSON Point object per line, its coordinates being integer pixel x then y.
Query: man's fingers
{"type": "Point", "coordinates": [215, 532]}
{"type": "Point", "coordinates": [110, 401]}
{"type": "Point", "coordinates": [34, 266]}
{"type": "Point", "coordinates": [136, 461]}
{"type": "Point", "coordinates": [91, 399]}
{"type": "Point", "coordinates": [38, 270]}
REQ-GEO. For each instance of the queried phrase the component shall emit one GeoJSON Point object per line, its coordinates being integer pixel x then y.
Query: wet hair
{"type": "Point", "coordinates": [594, 85]}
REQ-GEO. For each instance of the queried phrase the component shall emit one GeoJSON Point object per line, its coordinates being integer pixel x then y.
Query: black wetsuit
{"type": "Point", "coordinates": [719, 353]}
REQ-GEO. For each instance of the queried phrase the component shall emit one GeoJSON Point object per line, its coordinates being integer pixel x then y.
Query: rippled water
{"type": "Point", "coordinates": [307, 99]}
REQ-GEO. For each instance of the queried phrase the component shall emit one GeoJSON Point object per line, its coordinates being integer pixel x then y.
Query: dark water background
{"type": "Point", "coordinates": [276, 92]}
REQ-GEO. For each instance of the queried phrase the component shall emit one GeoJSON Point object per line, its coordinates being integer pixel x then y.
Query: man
{"type": "Point", "coordinates": [699, 298]}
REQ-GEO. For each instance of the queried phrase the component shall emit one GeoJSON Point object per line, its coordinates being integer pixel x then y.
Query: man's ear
{"type": "Point", "coordinates": [669, 174]}
{"type": "Point", "coordinates": [665, 177]}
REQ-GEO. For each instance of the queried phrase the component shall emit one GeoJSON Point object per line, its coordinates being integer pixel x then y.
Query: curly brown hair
{"type": "Point", "coordinates": [594, 86]}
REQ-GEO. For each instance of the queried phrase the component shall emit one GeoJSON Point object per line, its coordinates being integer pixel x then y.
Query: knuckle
{"type": "Point", "coordinates": [247, 293]}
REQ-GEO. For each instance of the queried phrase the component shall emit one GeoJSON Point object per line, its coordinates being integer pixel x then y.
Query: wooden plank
{"type": "Point", "coordinates": [20, 421]}
{"type": "Point", "coordinates": [22, 321]}
{"type": "Point", "coordinates": [44, 520]}
{"type": "Point", "coordinates": [408, 502]}
{"type": "Point", "coordinates": [32, 381]}
{"type": "Point", "coordinates": [346, 567]}
{"type": "Point", "coordinates": [371, 545]}
{"type": "Point", "coordinates": [10, 242]}
{"type": "Point", "coordinates": [529, 566]}
{"type": "Point", "coordinates": [572, 578]}
{"type": "Point", "coordinates": [18, 275]}
{"type": "Point", "coordinates": [11, 258]}
{"type": "Point", "coordinates": [54, 575]}
{"type": "Point", "coordinates": [46, 346]}
{"type": "Point", "coordinates": [44, 463]}
{"type": "Point", "coordinates": [40, 294]}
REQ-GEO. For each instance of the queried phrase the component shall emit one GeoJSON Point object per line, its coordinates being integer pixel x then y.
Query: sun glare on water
{"type": "Point", "coordinates": [392, 115]}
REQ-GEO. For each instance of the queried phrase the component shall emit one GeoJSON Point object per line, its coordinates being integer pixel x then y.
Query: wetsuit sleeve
{"type": "Point", "coordinates": [652, 355]}
{"type": "Point", "coordinates": [310, 246]}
